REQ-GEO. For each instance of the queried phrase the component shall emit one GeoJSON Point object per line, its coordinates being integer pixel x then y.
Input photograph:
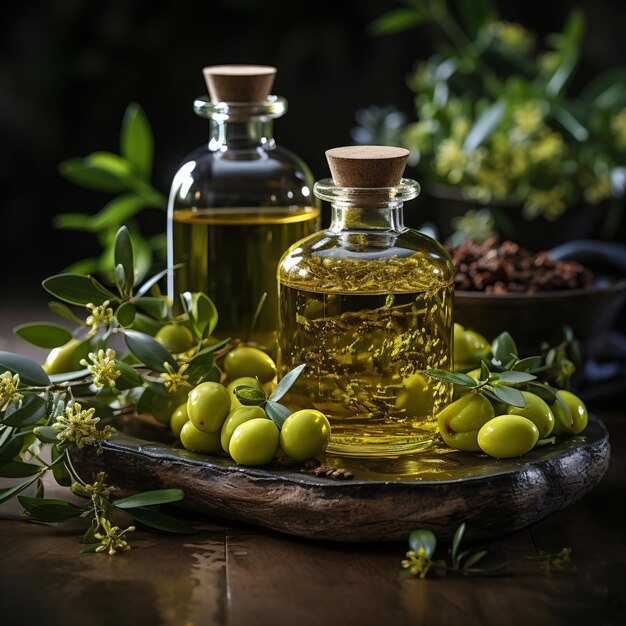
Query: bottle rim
{"type": "Point", "coordinates": [327, 189]}
{"type": "Point", "coordinates": [271, 108]}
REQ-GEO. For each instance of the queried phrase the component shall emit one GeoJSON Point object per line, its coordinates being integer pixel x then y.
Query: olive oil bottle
{"type": "Point", "coordinates": [367, 305]}
{"type": "Point", "coordinates": [237, 203]}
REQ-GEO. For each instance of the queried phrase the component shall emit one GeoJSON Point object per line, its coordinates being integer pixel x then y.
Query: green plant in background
{"type": "Point", "coordinates": [128, 176]}
{"type": "Point", "coordinates": [495, 117]}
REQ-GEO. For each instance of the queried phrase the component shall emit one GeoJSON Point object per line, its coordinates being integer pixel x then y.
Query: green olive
{"type": "Point", "coordinates": [240, 415]}
{"type": "Point", "coordinates": [244, 381]}
{"type": "Point", "coordinates": [178, 419]}
{"type": "Point", "coordinates": [507, 436]}
{"type": "Point", "coordinates": [198, 441]}
{"type": "Point", "coordinates": [416, 398]}
{"type": "Point", "coordinates": [537, 411]}
{"type": "Point", "coordinates": [63, 359]}
{"type": "Point", "coordinates": [304, 434]}
{"type": "Point", "coordinates": [578, 411]}
{"type": "Point", "coordinates": [207, 406]}
{"type": "Point", "coordinates": [254, 442]}
{"type": "Point", "coordinates": [246, 361]}
{"type": "Point", "coordinates": [469, 348]}
{"type": "Point", "coordinates": [175, 338]}
{"type": "Point", "coordinates": [162, 407]}
{"type": "Point", "coordinates": [460, 421]}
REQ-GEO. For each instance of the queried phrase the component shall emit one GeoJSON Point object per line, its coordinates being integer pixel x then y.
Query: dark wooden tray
{"type": "Point", "coordinates": [388, 498]}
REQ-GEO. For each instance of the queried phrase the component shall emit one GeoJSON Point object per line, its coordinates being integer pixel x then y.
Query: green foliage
{"type": "Point", "coordinates": [494, 115]}
{"type": "Point", "coordinates": [127, 174]}
{"type": "Point", "coordinates": [504, 376]}
{"type": "Point", "coordinates": [421, 559]}
{"type": "Point", "coordinates": [277, 412]}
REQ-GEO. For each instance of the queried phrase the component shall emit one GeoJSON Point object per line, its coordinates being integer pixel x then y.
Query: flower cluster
{"type": "Point", "coordinates": [100, 316]}
{"type": "Point", "coordinates": [417, 563]}
{"type": "Point", "coordinates": [112, 539]}
{"type": "Point", "coordinates": [9, 384]}
{"type": "Point", "coordinates": [102, 367]}
{"type": "Point", "coordinates": [79, 426]}
{"type": "Point", "coordinates": [175, 379]}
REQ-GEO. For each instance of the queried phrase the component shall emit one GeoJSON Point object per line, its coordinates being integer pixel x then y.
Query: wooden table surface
{"type": "Point", "coordinates": [229, 574]}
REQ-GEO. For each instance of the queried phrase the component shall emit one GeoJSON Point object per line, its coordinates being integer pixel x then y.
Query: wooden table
{"type": "Point", "coordinates": [234, 575]}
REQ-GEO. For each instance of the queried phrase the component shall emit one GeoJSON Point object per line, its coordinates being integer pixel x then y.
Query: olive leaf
{"type": "Point", "coordinates": [286, 382]}
{"type": "Point", "coordinates": [509, 395]}
{"type": "Point", "coordinates": [149, 498]}
{"type": "Point", "coordinates": [33, 409]}
{"type": "Point", "coordinates": [527, 364]}
{"type": "Point", "coordinates": [503, 349]}
{"type": "Point", "coordinates": [125, 314]}
{"type": "Point", "coordinates": [203, 314]}
{"type": "Point", "coordinates": [149, 351]}
{"type": "Point", "coordinates": [156, 307]}
{"type": "Point", "coordinates": [455, 378]}
{"type": "Point", "coordinates": [160, 521]}
{"type": "Point", "coordinates": [125, 257]}
{"type": "Point", "coordinates": [46, 434]}
{"type": "Point", "coordinates": [456, 542]}
{"type": "Point", "coordinates": [474, 559]}
{"type": "Point", "coordinates": [565, 413]}
{"type": "Point", "coordinates": [43, 334]}
{"type": "Point", "coordinates": [18, 469]}
{"type": "Point", "coordinates": [77, 289]}
{"type": "Point", "coordinates": [136, 141]}
{"type": "Point", "coordinates": [514, 377]}
{"type": "Point", "coordinates": [277, 412]}
{"type": "Point", "coordinates": [129, 376]}
{"type": "Point", "coordinates": [545, 392]}
{"type": "Point", "coordinates": [49, 510]}
{"type": "Point", "coordinates": [30, 372]}
{"type": "Point", "coordinates": [65, 312]}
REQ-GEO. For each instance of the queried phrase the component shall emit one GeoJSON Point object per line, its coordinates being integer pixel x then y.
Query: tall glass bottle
{"type": "Point", "coordinates": [239, 202]}
{"type": "Point", "coordinates": [367, 305]}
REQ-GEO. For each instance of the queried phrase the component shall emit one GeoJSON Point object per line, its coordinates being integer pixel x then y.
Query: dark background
{"type": "Point", "coordinates": [69, 68]}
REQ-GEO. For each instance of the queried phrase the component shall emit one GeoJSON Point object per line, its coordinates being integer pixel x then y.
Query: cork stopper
{"type": "Point", "coordinates": [367, 166]}
{"type": "Point", "coordinates": [239, 83]}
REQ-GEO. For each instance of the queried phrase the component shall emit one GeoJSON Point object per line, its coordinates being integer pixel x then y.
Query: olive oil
{"type": "Point", "coordinates": [231, 254]}
{"type": "Point", "coordinates": [365, 347]}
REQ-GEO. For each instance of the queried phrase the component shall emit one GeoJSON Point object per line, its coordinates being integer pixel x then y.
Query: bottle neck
{"type": "Point", "coordinates": [226, 134]}
{"type": "Point", "coordinates": [385, 217]}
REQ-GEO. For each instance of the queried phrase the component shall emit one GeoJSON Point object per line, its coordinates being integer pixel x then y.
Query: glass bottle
{"type": "Point", "coordinates": [238, 203]}
{"type": "Point", "coordinates": [367, 305]}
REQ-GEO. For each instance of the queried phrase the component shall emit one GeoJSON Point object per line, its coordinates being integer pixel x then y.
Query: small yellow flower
{"type": "Point", "coordinates": [102, 367]}
{"type": "Point", "coordinates": [619, 128]}
{"type": "Point", "coordinates": [546, 148]}
{"type": "Point", "coordinates": [514, 35]}
{"type": "Point", "coordinates": [450, 160]}
{"type": "Point", "coordinates": [9, 384]}
{"type": "Point", "coordinates": [175, 379]}
{"type": "Point", "coordinates": [80, 426]}
{"type": "Point", "coordinates": [100, 316]}
{"type": "Point", "coordinates": [528, 117]}
{"type": "Point", "coordinates": [113, 538]}
{"type": "Point", "coordinates": [417, 563]}
{"type": "Point", "coordinates": [557, 562]}
{"type": "Point", "coordinates": [99, 487]}
{"type": "Point", "coordinates": [549, 203]}
{"type": "Point", "coordinates": [599, 190]}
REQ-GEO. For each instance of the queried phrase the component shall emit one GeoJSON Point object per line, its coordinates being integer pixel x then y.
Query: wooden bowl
{"type": "Point", "coordinates": [533, 318]}
{"type": "Point", "coordinates": [538, 317]}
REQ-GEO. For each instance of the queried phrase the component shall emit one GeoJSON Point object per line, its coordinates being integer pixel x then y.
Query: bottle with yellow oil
{"type": "Point", "coordinates": [237, 203]}
{"type": "Point", "coordinates": [367, 305]}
